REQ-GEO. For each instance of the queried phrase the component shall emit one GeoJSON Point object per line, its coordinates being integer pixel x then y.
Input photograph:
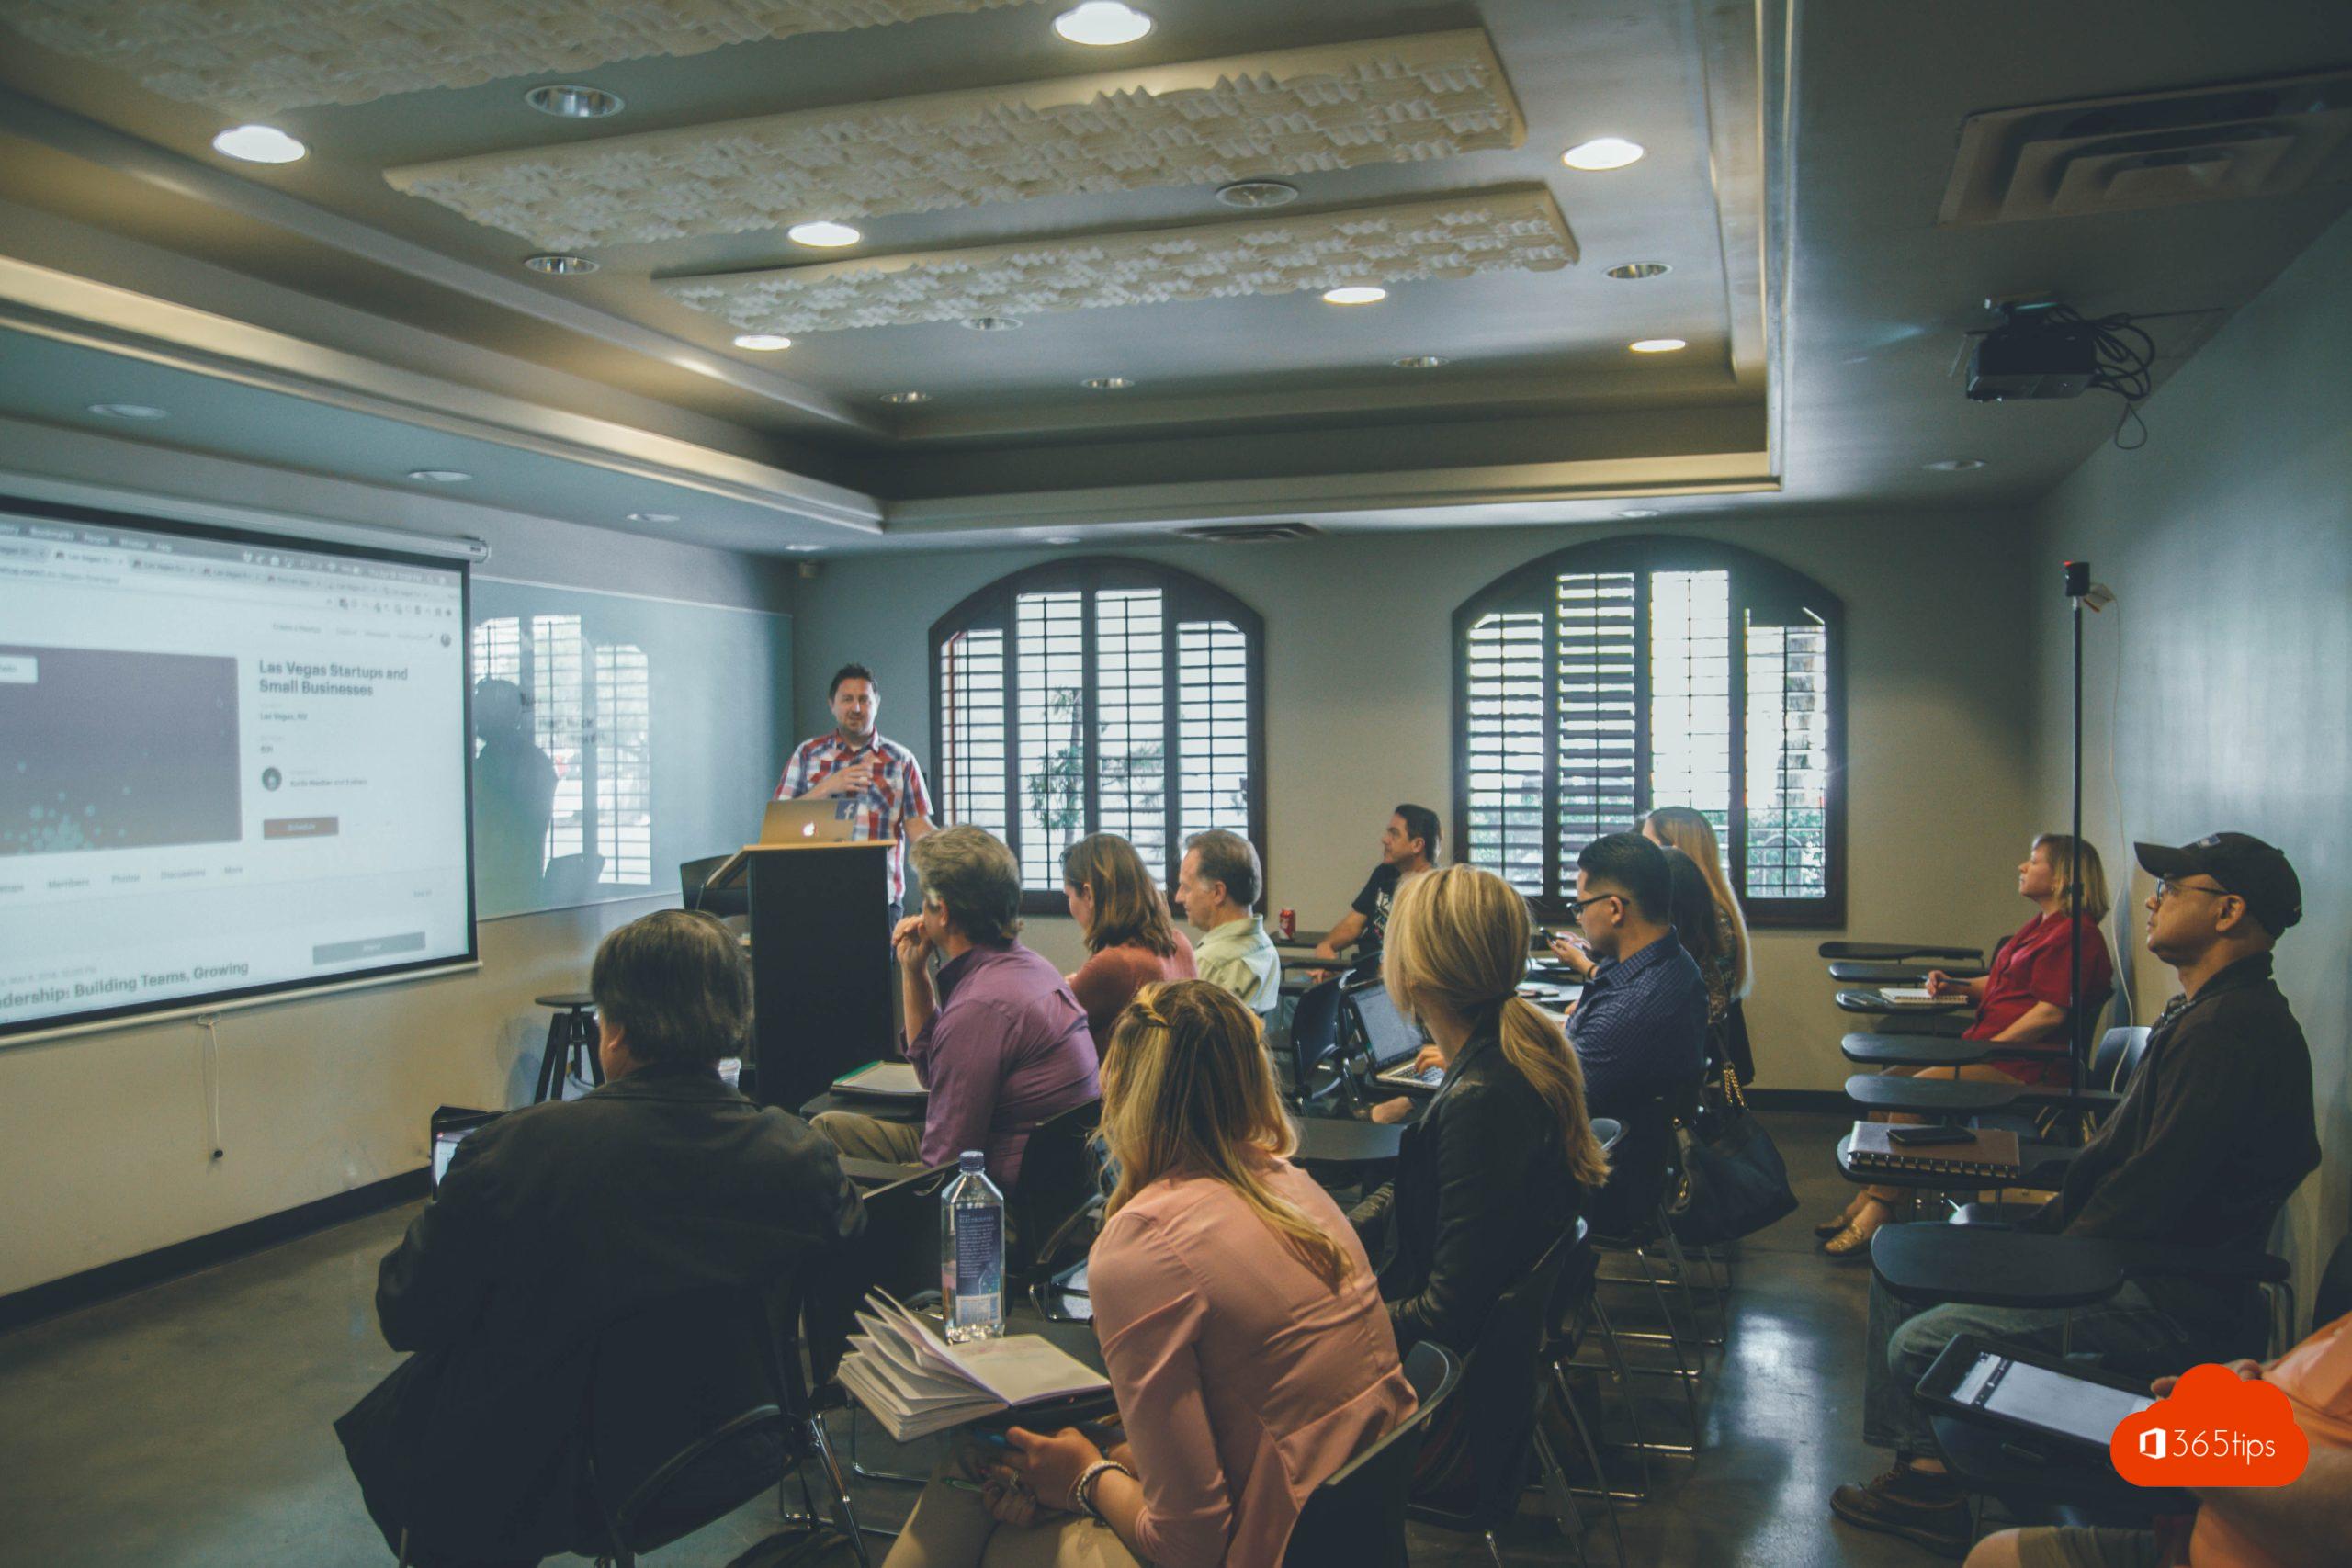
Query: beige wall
{"type": "Point", "coordinates": [1359, 697]}
{"type": "Point", "coordinates": [103, 1144]}
{"type": "Point", "coordinates": [2219, 691]}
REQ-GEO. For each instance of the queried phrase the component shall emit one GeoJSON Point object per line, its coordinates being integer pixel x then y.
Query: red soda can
{"type": "Point", "coordinates": [1288, 920]}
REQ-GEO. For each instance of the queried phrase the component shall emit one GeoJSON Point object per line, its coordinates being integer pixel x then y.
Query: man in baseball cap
{"type": "Point", "coordinates": [2239, 866]}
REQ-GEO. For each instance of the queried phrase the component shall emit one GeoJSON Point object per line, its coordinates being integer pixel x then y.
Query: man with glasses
{"type": "Point", "coordinates": [1641, 1026]}
{"type": "Point", "coordinates": [2213, 1135]}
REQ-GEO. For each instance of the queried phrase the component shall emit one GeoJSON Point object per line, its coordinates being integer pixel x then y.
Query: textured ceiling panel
{"type": "Point", "coordinates": [257, 57]}
{"type": "Point", "coordinates": [1209, 122]}
{"type": "Point", "coordinates": [1456, 237]}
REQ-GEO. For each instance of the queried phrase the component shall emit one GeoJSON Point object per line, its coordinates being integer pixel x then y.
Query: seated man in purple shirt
{"type": "Point", "coordinates": [996, 1035]}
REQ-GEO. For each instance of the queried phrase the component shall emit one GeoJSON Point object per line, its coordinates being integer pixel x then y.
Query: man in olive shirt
{"type": "Point", "coordinates": [2212, 1136]}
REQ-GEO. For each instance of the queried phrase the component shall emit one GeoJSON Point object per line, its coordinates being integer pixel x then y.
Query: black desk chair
{"type": "Point", "coordinates": [1891, 972]}
{"type": "Point", "coordinates": [1627, 1218]}
{"type": "Point", "coordinates": [1061, 1184]}
{"type": "Point", "coordinates": [1357, 1516]}
{"type": "Point", "coordinates": [1897, 951]}
{"type": "Point", "coordinates": [1313, 1045]}
{"type": "Point", "coordinates": [1888, 1018]}
{"type": "Point", "coordinates": [696, 1406]}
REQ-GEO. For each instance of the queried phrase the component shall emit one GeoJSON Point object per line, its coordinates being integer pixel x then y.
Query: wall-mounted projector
{"type": "Point", "coordinates": [2035, 354]}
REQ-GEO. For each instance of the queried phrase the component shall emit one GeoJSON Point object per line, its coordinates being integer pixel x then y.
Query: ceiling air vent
{"type": "Point", "coordinates": [2214, 143]}
{"type": "Point", "coordinates": [1249, 533]}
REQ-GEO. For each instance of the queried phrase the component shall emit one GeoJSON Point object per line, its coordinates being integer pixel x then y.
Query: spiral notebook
{"type": "Point", "coordinates": [1991, 1154]}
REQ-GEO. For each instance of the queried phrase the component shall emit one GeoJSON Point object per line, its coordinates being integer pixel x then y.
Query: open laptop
{"type": "Point", "coordinates": [828, 819]}
{"type": "Point", "coordinates": [1390, 1039]}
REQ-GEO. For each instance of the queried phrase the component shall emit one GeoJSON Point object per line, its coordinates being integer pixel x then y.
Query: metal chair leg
{"type": "Point", "coordinates": [1601, 1487]}
{"type": "Point", "coordinates": [1564, 1513]}
{"type": "Point", "coordinates": [843, 1510]}
{"type": "Point", "coordinates": [1622, 1372]}
{"type": "Point", "coordinates": [900, 1477]}
{"type": "Point", "coordinates": [1494, 1552]}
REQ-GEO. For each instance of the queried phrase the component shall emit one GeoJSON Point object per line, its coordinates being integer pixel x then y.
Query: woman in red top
{"type": "Point", "coordinates": [2022, 1002]}
{"type": "Point", "coordinates": [1130, 938]}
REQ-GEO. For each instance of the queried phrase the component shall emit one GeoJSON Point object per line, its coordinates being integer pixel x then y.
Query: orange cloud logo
{"type": "Point", "coordinates": [2215, 1429]}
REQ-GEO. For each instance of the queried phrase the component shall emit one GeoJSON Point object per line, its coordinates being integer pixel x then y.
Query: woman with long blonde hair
{"type": "Point", "coordinates": [1497, 1167]}
{"type": "Point", "coordinates": [1680, 827]}
{"type": "Point", "coordinates": [1240, 1325]}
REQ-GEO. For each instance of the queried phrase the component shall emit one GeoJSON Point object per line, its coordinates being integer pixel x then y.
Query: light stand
{"type": "Point", "coordinates": [2078, 585]}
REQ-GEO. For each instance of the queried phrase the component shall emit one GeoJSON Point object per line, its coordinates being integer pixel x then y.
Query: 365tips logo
{"type": "Point", "coordinates": [2214, 1429]}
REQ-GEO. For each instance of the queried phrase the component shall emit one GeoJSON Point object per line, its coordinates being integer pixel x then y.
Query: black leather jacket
{"type": "Point", "coordinates": [552, 1224]}
{"type": "Point", "coordinates": [1482, 1188]}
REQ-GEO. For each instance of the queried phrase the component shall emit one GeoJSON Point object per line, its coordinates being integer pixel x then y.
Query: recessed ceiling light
{"type": "Point", "coordinates": [763, 342]}
{"type": "Point", "coordinates": [1061, 539]}
{"type": "Point", "coordinates": [1602, 153]}
{"type": "Point", "coordinates": [1355, 294]}
{"type": "Point", "coordinates": [804, 549]}
{"type": "Point", "coordinates": [1955, 465]}
{"type": "Point", "coordinates": [258, 144]}
{"type": "Point", "coordinates": [1257, 193]}
{"type": "Point", "coordinates": [1101, 23]}
{"type": "Point", "coordinates": [1419, 362]}
{"type": "Point", "coordinates": [906, 397]}
{"type": "Point", "coordinates": [572, 102]}
{"type": "Point", "coordinates": [1635, 270]}
{"type": "Point", "coordinates": [823, 234]}
{"type": "Point", "coordinates": [653, 517]}
{"type": "Point", "coordinates": [129, 411]}
{"type": "Point", "coordinates": [439, 476]}
{"type": "Point", "coordinates": [559, 265]}
{"type": "Point", "coordinates": [1658, 345]}
{"type": "Point", "coordinates": [993, 323]}
{"type": "Point", "coordinates": [1107, 383]}
{"type": "Point", "coordinates": [1638, 512]}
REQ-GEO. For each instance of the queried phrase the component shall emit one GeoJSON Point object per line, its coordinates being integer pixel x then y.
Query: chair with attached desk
{"type": "Point", "coordinates": [1310, 1061]}
{"type": "Point", "coordinates": [1357, 1516]}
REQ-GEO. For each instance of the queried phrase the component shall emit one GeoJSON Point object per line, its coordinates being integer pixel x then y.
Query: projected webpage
{"type": "Point", "coordinates": [225, 764]}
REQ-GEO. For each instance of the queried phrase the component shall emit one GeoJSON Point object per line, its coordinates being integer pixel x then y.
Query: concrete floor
{"type": "Point", "coordinates": [189, 1424]}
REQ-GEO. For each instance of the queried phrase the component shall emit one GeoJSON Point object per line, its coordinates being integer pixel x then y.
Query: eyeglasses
{"type": "Point", "coordinates": [2165, 889]}
{"type": "Point", "coordinates": [1576, 906]}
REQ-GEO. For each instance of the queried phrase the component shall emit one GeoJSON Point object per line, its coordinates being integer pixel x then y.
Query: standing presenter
{"type": "Point", "coordinates": [855, 758]}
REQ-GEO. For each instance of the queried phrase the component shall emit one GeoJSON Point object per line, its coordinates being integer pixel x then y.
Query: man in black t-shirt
{"type": "Point", "coordinates": [1408, 844]}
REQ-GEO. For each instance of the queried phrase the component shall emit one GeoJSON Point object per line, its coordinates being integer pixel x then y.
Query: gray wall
{"type": "Point", "coordinates": [1358, 632]}
{"type": "Point", "coordinates": [2219, 691]}
{"type": "Point", "coordinates": [103, 1145]}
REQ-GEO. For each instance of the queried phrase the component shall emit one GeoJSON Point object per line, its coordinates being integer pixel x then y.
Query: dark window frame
{"type": "Point", "coordinates": [1184, 598]}
{"type": "Point", "coordinates": [1756, 582]}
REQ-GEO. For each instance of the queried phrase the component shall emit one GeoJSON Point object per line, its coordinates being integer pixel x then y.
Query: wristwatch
{"type": "Point", "coordinates": [1081, 1491]}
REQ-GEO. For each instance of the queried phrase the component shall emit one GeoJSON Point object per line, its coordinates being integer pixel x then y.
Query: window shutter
{"type": "Point", "coordinates": [972, 740]}
{"type": "Point", "coordinates": [1213, 735]}
{"type": "Point", "coordinates": [1691, 698]}
{"type": "Point", "coordinates": [1595, 721]}
{"type": "Point", "coordinates": [1131, 719]}
{"type": "Point", "coordinates": [624, 765]}
{"type": "Point", "coordinates": [1049, 662]}
{"type": "Point", "coordinates": [1788, 757]}
{"type": "Point", "coordinates": [1504, 772]}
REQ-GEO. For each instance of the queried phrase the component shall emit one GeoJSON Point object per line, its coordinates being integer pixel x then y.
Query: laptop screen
{"type": "Point", "coordinates": [1389, 1035]}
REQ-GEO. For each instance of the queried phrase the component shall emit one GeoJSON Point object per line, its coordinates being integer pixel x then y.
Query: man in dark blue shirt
{"type": "Point", "coordinates": [1641, 1028]}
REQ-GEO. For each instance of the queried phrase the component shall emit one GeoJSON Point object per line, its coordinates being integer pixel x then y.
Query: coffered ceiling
{"type": "Point", "coordinates": [1048, 319]}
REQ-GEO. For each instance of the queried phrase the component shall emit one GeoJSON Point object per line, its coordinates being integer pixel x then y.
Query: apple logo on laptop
{"type": "Point", "coordinates": [807, 829]}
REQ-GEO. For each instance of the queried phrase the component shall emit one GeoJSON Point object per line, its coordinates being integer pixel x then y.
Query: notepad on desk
{"type": "Point", "coordinates": [882, 1080]}
{"type": "Point", "coordinates": [1991, 1154]}
{"type": "Point", "coordinates": [1918, 997]}
{"type": "Point", "coordinates": [903, 1371]}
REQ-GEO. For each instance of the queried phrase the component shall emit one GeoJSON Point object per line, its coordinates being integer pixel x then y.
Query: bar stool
{"type": "Point", "coordinates": [572, 1044]}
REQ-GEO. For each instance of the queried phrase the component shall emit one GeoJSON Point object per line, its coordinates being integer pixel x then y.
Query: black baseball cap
{"type": "Point", "coordinates": [2243, 864]}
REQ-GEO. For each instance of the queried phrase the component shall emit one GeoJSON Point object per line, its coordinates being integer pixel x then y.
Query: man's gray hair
{"type": "Point", "coordinates": [1231, 859]}
{"type": "Point", "coordinates": [675, 983]}
{"type": "Point", "coordinates": [970, 874]}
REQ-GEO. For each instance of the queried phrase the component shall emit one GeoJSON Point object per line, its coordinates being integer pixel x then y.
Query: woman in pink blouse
{"type": "Point", "coordinates": [1130, 941]}
{"type": "Point", "coordinates": [1239, 1319]}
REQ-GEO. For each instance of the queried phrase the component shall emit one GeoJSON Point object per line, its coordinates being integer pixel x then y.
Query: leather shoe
{"type": "Point", "coordinates": [1927, 1510]}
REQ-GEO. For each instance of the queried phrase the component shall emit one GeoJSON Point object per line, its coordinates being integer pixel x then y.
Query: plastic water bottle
{"type": "Point", "coordinates": [971, 1254]}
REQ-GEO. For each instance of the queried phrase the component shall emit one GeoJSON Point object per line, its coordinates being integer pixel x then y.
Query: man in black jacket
{"type": "Point", "coordinates": [2213, 1135]}
{"type": "Point", "coordinates": [556, 1222]}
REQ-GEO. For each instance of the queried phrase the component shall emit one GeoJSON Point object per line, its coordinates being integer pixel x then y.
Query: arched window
{"type": "Point", "coordinates": [1608, 678]}
{"type": "Point", "coordinates": [1099, 695]}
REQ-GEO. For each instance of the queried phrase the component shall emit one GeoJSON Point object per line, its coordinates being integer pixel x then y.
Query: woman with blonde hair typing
{"type": "Point", "coordinates": [1497, 1167]}
{"type": "Point", "coordinates": [1240, 1321]}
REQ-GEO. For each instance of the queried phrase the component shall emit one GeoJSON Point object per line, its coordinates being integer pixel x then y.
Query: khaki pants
{"type": "Point", "coordinates": [869, 1137]}
{"type": "Point", "coordinates": [953, 1528]}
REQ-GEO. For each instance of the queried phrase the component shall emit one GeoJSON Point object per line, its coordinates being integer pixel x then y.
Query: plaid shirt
{"type": "Point", "coordinates": [883, 807]}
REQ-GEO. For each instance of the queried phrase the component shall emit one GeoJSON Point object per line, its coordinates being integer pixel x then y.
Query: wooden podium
{"type": "Point", "coordinates": [821, 961]}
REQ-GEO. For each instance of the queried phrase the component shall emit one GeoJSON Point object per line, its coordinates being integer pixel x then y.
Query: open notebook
{"type": "Point", "coordinates": [902, 1369]}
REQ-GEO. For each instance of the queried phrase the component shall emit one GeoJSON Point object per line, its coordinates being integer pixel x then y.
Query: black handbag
{"type": "Point", "coordinates": [1731, 1181]}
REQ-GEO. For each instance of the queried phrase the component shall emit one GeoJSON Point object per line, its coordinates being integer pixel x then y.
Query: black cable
{"type": "Point", "coordinates": [2123, 366]}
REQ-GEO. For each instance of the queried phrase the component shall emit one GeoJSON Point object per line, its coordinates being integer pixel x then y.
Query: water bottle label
{"type": "Point", "coordinates": [980, 1265]}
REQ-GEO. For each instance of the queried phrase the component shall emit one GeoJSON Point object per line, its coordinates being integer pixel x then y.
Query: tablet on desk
{"type": "Point", "coordinates": [2047, 1399]}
